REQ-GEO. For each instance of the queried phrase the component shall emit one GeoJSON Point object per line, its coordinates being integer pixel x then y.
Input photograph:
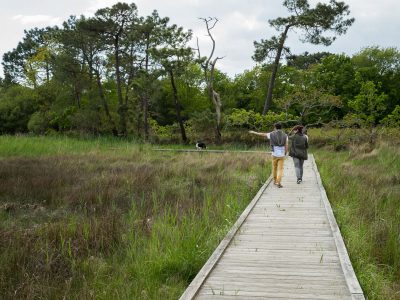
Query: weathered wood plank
{"type": "Point", "coordinates": [276, 294]}
{"type": "Point", "coordinates": [272, 279]}
{"type": "Point", "coordinates": [290, 296]}
{"type": "Point", "coordinates": [258, 287]}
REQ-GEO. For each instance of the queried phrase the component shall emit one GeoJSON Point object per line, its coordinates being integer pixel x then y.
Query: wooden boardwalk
{"type": "Point", "coordinates": [285, 245]}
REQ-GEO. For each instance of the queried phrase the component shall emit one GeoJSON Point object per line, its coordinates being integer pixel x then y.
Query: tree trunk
{"type": "Point", "coordinates": [217, 104]}
{"type": "Point", "coordinates": [77, 96]}
{"type": "Point", "coordinates": [216, 100]}
{"type": "Point", "coordinates": [145, 96]}
{"type": "Point", "coordinates": [146, 116]}
{"type": "Point", "coordinates": [130, 77]}
{"type": "Point", "coordinates": [177, 107]}
{"type": "Point", "coordinates": [268, 100]}
{"type": "Point", "coordinates": [47, 72]}
{"type": "Point", "coordinates": [121, 106]}
{"type": "Point", "coordinates": [104, 102]}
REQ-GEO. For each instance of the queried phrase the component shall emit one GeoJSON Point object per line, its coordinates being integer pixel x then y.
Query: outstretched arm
{"type": "Point", "coordinates": [263, 134]}
{"type": "Point", "coordinates": [292, 130]}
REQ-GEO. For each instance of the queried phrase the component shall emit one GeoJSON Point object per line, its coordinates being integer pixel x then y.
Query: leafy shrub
{"type": "Point", "coordinates": [86, 120]}
{"type": "Point", "coordinates": [17, 105]}
{"type": "Point", "coordinates": [161, 133]}
{"type": "Point", "coordinates": [393, 119]}
{"type": "Point", "coordinates": [39, 122]}
{"type": "Point", "coordinates": [369, 105]}
{"type": "Point", "coordinates": [62, 120]}
{"type": "Point", "coordinates": [248, 119]}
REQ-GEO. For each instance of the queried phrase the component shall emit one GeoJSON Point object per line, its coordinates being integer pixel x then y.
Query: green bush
{"type": "Point", "coordinates": [86, 120]}
{"type": "Point", "coordinates": [62, 120]}
{"type": "Point", "coordinates": [17, 104]}
{"type": "Point", "coordinates": [393, 119]}
{"type": "Point", "coordinates": [39, 122]}
{"type": "Point", "coordinates": [248, 119]}
{"type": "Point", "coordinates": [163, 134]}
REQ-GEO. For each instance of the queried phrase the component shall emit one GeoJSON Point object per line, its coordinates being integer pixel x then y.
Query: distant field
{"type": "Point", "coordinates": [105, 218]}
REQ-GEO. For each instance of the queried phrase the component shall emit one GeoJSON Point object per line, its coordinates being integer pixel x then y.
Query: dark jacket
{"type": "Point", "coordinates": [298, 146]}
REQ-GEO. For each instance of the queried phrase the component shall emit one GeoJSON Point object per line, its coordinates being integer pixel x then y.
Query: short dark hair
{"type": "Point", "coordinates": [278, 125]}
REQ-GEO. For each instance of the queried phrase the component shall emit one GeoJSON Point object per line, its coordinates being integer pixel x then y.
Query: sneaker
{"type": "Point", "coordinates": [280, 185]}
{"type": "Point", "coordinates": [298, 181]}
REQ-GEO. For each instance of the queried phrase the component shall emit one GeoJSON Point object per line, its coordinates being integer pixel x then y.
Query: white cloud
{"type": "Point", "coordinates": [97, 4]}
{"type": "Point", "coordinates": [244, 21]}
{"type": "Point", "coordinates": [37, 20]}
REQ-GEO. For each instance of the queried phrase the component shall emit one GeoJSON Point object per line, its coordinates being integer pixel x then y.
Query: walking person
{"type": "Point", "coordinates": [298, 150]}
{"type": "Point", "coordinates": [279, 143]}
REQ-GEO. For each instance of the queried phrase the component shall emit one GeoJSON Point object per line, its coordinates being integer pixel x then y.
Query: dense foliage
{"type": "Point", "coordinates": [124, 74]}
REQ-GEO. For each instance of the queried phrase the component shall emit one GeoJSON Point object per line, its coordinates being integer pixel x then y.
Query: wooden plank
{"type": "Point", "coordinates": [300, 264]}
{"type": "Point", "coordinates": [300, 277]}
{"type": "Point", "coordinates": [262, 287]}
{"type": "Point", "coordinates": [257, 248]}
{"type": "Point", "coordinates": [197, 282]}
{"type": "Point", "coordinates": [292, 279]}
{"type": "Point", "coordinates": [287, 252]}
{"type": "Point", "coordinates": [239, 297]}
{"type": "Point", "coordinates": [283, 270]}
{"type": "Point", "coordinates": [342, 295]}
{"type": "Point", "coordinates": [279, 260]}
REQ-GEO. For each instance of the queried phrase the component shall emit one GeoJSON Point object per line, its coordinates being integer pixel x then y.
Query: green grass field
{"type": "Point", "coordinates": [364, 189]}
{"type": "Point", "coordinates": [104, 218]}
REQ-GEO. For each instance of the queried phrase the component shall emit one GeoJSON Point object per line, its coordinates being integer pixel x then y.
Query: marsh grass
{"type": "Point", "coordinates": [104, 218]}
{"type": "Point", "coordinates": [363, 185]}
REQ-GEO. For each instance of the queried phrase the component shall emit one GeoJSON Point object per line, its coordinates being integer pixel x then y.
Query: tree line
{"type": "Point", "coordinates": [124, 74]}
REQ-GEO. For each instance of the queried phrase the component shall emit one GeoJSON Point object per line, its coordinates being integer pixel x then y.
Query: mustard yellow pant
{"type": "Point", "coordinates": [277, 168]}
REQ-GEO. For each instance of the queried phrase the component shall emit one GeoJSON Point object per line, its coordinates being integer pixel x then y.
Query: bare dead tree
{"type": "Point", "coordinates": [208, 66]}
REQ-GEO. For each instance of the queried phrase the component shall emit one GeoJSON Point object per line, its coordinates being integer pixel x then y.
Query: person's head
{"type": "Point", "coordinates": [299, 129]}
{"type": "Point", "coordinates": [278, 126]}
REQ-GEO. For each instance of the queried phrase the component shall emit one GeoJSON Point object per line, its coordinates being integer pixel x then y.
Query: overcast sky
{"type": "Point", "coordinates": [241, 23]}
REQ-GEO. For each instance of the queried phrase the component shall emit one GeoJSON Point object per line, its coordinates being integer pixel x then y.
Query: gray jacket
{"type": "Point", "coordinates": [278, 138]}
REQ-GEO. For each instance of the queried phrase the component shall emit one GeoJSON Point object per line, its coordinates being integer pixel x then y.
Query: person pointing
{"type": "Point", "coordinates": [279, 143]}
